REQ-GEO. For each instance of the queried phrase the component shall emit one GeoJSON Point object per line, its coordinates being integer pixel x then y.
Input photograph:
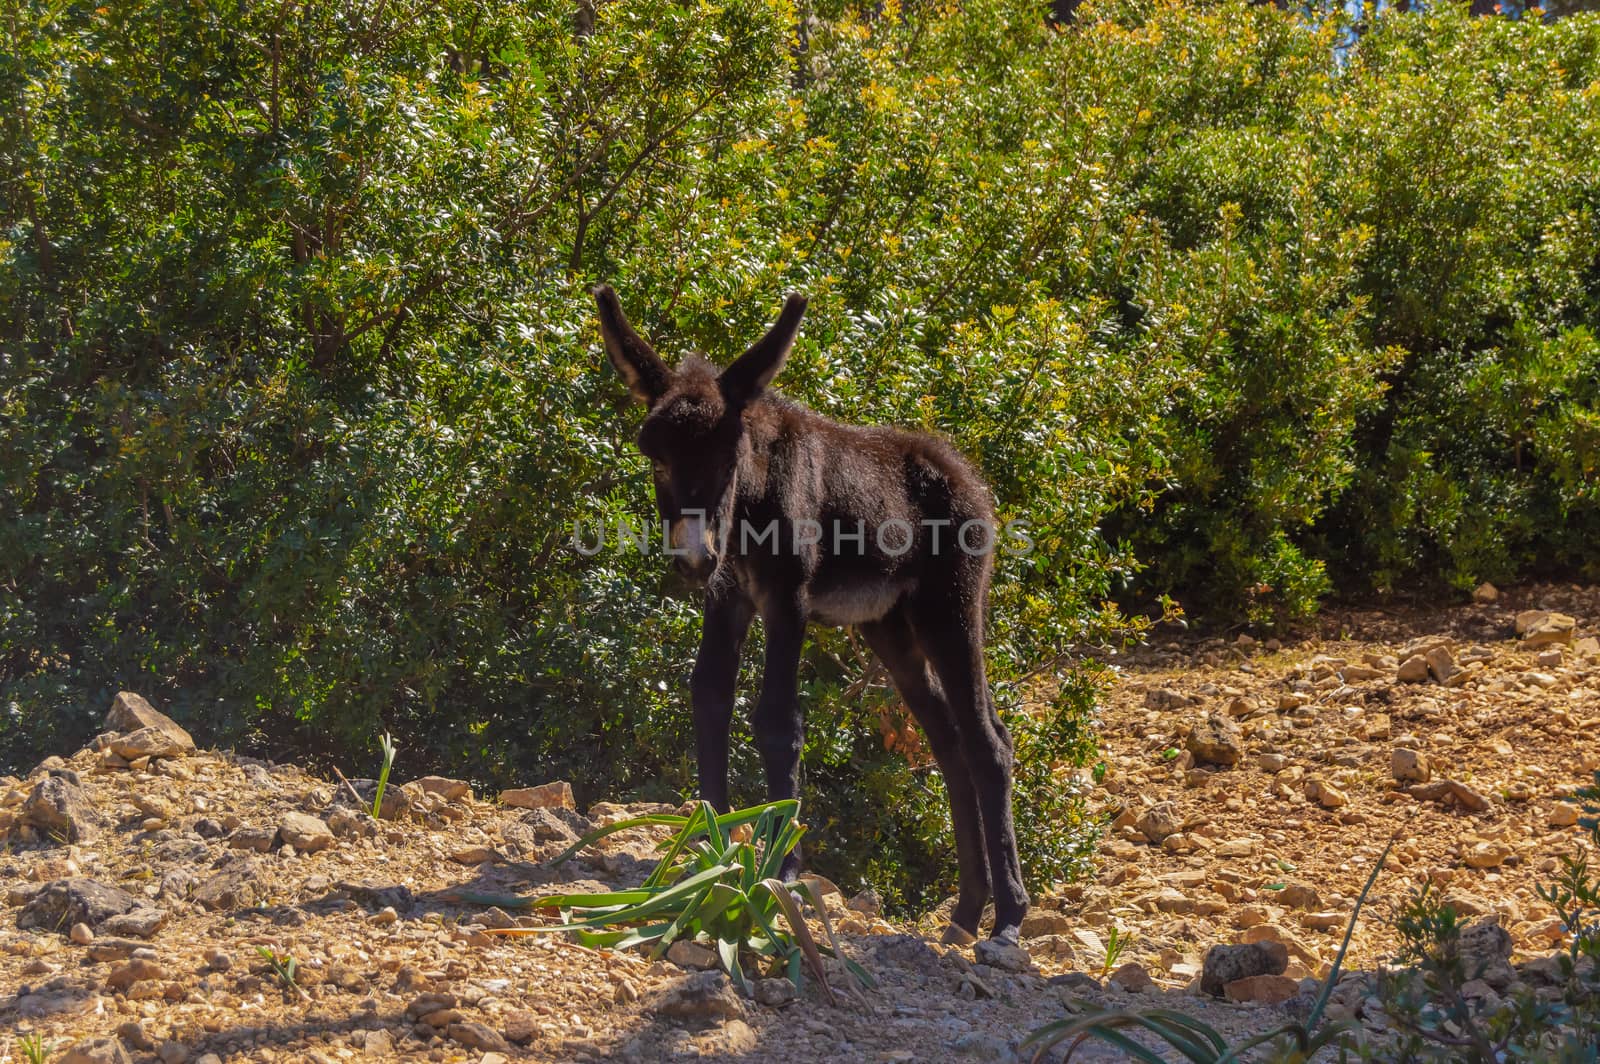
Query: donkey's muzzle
{"type": "Point", "coordinates": [693, 547]}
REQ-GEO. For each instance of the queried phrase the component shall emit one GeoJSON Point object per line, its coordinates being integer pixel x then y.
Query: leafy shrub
{"type": "Point", "coordinates": [302, 395]}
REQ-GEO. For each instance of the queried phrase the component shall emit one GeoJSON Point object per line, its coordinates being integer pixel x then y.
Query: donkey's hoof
{"type": "Point", "coordinates": [955, 935]}
{"type": "Point", "coordinates": [1009, 935]}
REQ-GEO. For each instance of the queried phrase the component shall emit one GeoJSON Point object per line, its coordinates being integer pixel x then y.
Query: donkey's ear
{"type": "Point", "coordinates": [646, 375]}
{"type": "Point", "coordinates": [752, 371]}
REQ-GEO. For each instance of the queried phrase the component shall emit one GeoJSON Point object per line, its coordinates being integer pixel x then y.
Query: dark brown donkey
{"type": "Point", "coordinates": [786, 514]}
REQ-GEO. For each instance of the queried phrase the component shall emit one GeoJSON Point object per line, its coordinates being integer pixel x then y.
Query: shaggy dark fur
{"type": "Point", "coordinates": [795, 518]}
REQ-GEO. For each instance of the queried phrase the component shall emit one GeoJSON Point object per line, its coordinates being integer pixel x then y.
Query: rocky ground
{"type": "Point", "coordinates": [156, 894]}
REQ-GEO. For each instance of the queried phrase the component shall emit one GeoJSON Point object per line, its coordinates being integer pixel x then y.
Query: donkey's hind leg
{"type": "Point", "coordinates": [891, 639]}
{"type": "Point", "coordinates": [951, 635]}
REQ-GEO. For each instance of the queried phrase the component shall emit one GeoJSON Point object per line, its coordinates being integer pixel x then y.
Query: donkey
{"type": "Point", "coordinates": [785, 514]}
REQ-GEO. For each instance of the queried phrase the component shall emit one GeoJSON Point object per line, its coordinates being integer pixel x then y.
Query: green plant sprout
{"type": "Point", "coordinates": [383, 774]}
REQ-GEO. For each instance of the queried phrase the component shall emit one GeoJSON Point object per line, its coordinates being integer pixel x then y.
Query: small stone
{"type": "Point", "coordinates": [305, 833]}
{"type": "Point", "coordinates": [774, 992]}
{"type": "Point", "coordinates": [1412, 670]}
{"type": "Point", "coordinates": [867, 902]}
{"type": "Point", "coordinates": [687, 954]}
{"type": "Point", "coordinates": [133, 1033]}
{"type": "Point", "coordinates": [1441, 664]}
{"type": "Point", "coordinates": [1272, 762]}
{"type": "Point", "coordinates": [1228, 964]}
{"type": "Point", "coordinates": [1485, 594]}
{"type": "Point", "coordinates": [1563, 815]}
{"type": "Point", "coordinates": [1165, 698]}
{"type": "Point", "coordinates": [1407, 765]}
{"type": "Point", "coordinates": [1041, 922]}
{"type": "Point", "coordinates": [1487, 853]}
{"type": "Point", "coordinates": [1298, 894]}
{"type": "Point", "coordinates": [1159, 821]}
{"type": "Point", "coordinates": [1467, 797]}
{"type": "Point", "coordinates": [1006, 956]}
{"type": "Point", "coordinates": [557, 795]}
{"type": "Point", "coordinates": [383, 917]}
{"type": "Point", "coordinates": [701, 996]}
{"type": "Point", "coordinates": [476, 1035]}
{"type": "Point", "coordinates": [135, 971]}
{"type": "Point", "coordinates": [1216, 739]}
{"type": "Point", "coordinates": [1325, 794]}
{"type": "Point", "coordinates": [448, 789]}
{"type": "Point", "coordinates": [142, 922]}
{"type": "Point", "coordinates": [1132, 978]}
{"type": "Point", "coordinates": [429, 1004]}
{"type": "Point", "coordinates": [96, 1051]}
{"type": "Point", "coordinates": [253, 838]}
{"type": "Point", "coordinates": [1587, 647]}
{"type": "Point", "coordinates": [1262, 989]}
{"type": "Point", "coordinates": [81, 934]}
{"type": "Point", "coordinates": [473, 855]}
{"type": "Point", "coordinates": [520, 1026]}
{"type": "Point", "coordinates": [172, 1052]}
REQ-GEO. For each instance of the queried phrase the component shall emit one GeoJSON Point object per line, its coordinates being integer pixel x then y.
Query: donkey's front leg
{"type": "Point", "coordinates": [711, 687]}
{"type": "Point", "coordinates": [777, 724]}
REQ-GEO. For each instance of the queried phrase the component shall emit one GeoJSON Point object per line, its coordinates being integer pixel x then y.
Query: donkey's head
{"type": "Point", "coordinates": [695, 426]}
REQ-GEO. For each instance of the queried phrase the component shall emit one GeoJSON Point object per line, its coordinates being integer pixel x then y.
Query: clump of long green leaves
{"type": "Point", "coordinates": [709, 887]}
{"type": "Point", "coordinates": [1293, 1042]}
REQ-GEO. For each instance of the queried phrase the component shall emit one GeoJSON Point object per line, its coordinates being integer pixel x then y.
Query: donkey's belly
{"type": "Point", "coordinates": [855, 605]}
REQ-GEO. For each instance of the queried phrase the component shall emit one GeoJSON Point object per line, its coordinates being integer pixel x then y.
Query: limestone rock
{"type": "Point", "coordinates": [304, 832]}
{"type": "Point", "coordinates": [1217, 740]}
{"type": "Point", "coordinates": [1563, 815]}
{"type": "Point", "coordinates": [59, 808]}
{"type": "Point", "coordinates": [1412, 670]}
{"type": "Point", "coordinates": [1160, 820]}
{"type": "Point", "coordinates": [1003, 955]}
{"type": "Point", "coordinates": [476, 1035]}
{"type": "Point", "coordinates": [1542, 627]}
{"type": "Point", "coordinates": [556, 795]}
{"type": "Point", "coordinates": [1131, 977]}
{"type": "Point", "coordinates": [701, 996]}
{"type": "Point", "coordinates": [1262, 989]}
{"type": "Point", "coordinates": [1485, 593]}
{"type": "Point", "coordinates": [64, 902]}
{"type": "Point", "coordinates": [1228, 964]}
{"type": "Point", "coordinates": [686, 954]}
{"type": "Point", "coordinates": [1407, 765]}
{"type": "Point", "coordinates": [1441, 664]}
{"type": "Point", "coordinates": [448, 789]}
{"type": "Point", "coordinates": [131, 713]}
{"type": "Point", "coordinates": [96, 1051]}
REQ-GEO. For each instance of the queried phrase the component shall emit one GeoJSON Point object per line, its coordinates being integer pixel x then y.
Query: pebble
{"type": "Point", "coordinates": [81, 934]}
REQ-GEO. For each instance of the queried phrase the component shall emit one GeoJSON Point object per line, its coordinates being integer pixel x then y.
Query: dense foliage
{"type": "Point", "coordinates": [302, 396]}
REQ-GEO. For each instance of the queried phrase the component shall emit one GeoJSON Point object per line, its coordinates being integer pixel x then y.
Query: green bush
{"type": "Point", "coordinates": [302, 396]}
